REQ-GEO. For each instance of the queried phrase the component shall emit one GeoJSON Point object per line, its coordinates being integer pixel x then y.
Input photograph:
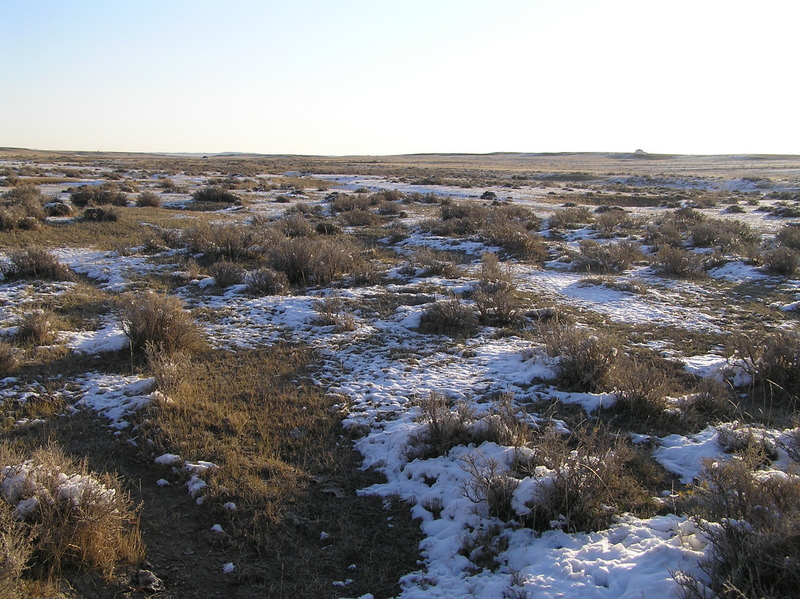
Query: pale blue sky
{"type": "Point", "coordinates": [386, 77]}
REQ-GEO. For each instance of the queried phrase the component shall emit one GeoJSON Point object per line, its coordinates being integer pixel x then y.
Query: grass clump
{"type": "Point", "coordinates": [38, 327]}
{"type": "Point", "coordinates": [160, 322]}
{"type": "Point", "coordinates": [71, 518]}
{"type": "Point", "coordinates": [216, 194]}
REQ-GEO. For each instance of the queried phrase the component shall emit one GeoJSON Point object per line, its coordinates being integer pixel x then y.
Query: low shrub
{"type": "Point", "coordinates": [216, 194]}
{"type": "Point", "coordinates": [449, 317]}
{"type": "Point", "coordinates": [332, 312]}
{"type": "Point", "coordinates": [57, 209]}
{"type": "Point", "coordinates": [325, 228]}
{"type": "Point", "coordinates": [607, 257]}
{"type": "Point", "coordinates": [641, 390]}
{"type": "Point", "coordinates": [433, 263]}
{"type": "Point", "coordinates": [227, 273]}
{"type": "Point", "coordinates": [753, 522]}
{"type": "Point", "coordinates": [789, 236]}
{"type": "Point", "coordinates": [100, 215]}
{"type": "Point", "coordinates": [36, 263]}
{"type": "Point", "coordinates": [232, 243]}
{"type": "Point", "coordinates": [71, 517]}
{"type": "Point", "coordinates": [295, 225]}
{"type": "Point", "coordinates": [9, 359]}
{"type": "Point", "coordinates": [313, 261]}
{"type": "Point", "coordinates": [782, 261]}
{"type": "Point", "coordinates": [725, 234]}
{"type": "Point", "coordinates": [25, 200]}
{"type": "Point", "coordinates": [516, 239]}
{"type": "Point", "coordinates": [678, 262]}
{"type": "Point", "coordinates": [773, 360]}
{"type": "Point", "coordinates": [570, 218]}
{"type": "Point", "coordinates": [496, 298]}
{"type": "Point", "coordinates": [106, 193]}
{"type": "Point", "coordinates": [266, 281]}
{"type": "Point", "coordinates": [592, 477]}
{"type": "Point", "coordinates": [585, 357]}
{"type": "Point", "coordinates": [360, 218]}
{"type": "Point", "coordinates": [147, 199]}
{"type": "Point", "coordinates": [37, 328]}
{"type": "Point", "coordinates": [489, 484]}
{"type": "Point", "coordinates": [445, 427]}
{"type": "Point", "coordinates": [159, 322]}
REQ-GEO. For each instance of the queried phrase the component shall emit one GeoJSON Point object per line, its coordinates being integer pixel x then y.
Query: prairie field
{"type": "Point", "coordinates": [504, 375]}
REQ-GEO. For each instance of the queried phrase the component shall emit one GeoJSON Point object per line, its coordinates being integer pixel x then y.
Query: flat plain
{"type": "Point", "coordinates": [506, 375]}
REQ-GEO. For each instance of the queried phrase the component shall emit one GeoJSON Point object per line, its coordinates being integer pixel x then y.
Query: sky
{"type": "Point", "coordinates": [380, 77]}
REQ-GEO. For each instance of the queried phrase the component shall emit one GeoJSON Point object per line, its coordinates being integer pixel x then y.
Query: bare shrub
{"type": "Point", "coordinates": [489, 483]}
{"type": "Point", "coordinates": [326, 228]}
{"type": "Point", "coordinates": [756, 543]}
{"type": "Point", "coordinates": [332, 312]}
{"type": "Point", "coordinates": [313, 261]}
{"type": "Point", "coordinates": [105, 193]}
{"type": "Point", "coordinates": [216, 194]}
{"type": "Point", "coordinates": [789, 236]}
{"type": "Point", "coordinates": [782, 261]}
{"type": "Point", "coordinates": [147, 199]}
{"type": "Point", "coordinates": [160, 322]}
{"type": "Point", "coordinates": [266, 281]}
{"type": "Point", "coordinates": [495, 297]}
{"type": "Point", "coordinates": [38, 327]}
{"type": "Point", "coordinates": [570, 218]}
{"type": "Point", "coordinates": [36, 263]}
{"type": "Point", "coordinates": [444, 429]}
{"type": "Point", "coordinates": [9, 360]}
{"type": "Point", "coordinates": [594, 477]}
{"type": "Point", "coordinates": [449, 317]}
{"type": "Point", "coordinates": [227, 273]}
{"type": "Point", "coordinates": [678, 262]}
{"type": "Point", "coordinates": [586, 357]}
{"type": "Point", "coordinates": [74, 518]}
{"type": "Point", "coordinates": [606, 257]}
{"type": "Point", "coordinates": [725, 234]}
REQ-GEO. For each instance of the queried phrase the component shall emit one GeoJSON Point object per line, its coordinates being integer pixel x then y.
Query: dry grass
{"type": "Point", "coordinates": [72, 517]}
{"type": "Point", "coordinates": [262, 431]}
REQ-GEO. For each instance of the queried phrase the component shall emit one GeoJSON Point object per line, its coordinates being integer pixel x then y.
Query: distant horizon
{"type": "Point", "coordinates": [363, 155]}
